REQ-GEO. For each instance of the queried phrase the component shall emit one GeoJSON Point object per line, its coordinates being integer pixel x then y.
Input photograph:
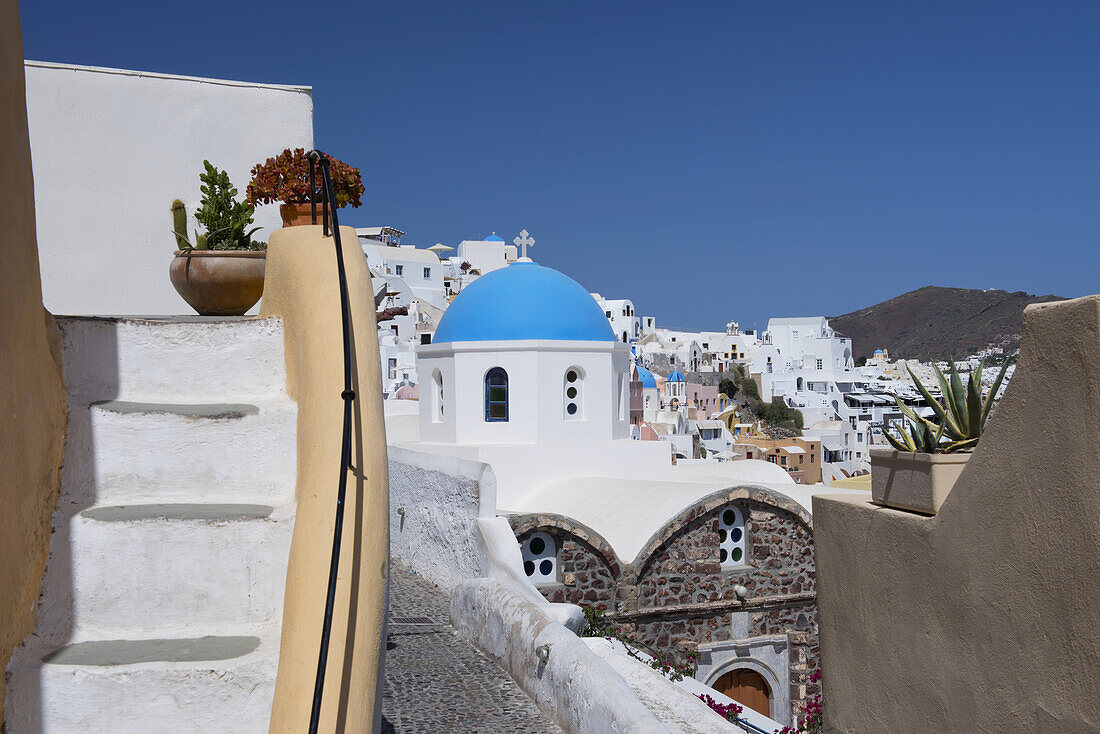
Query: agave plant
{"type": "Point", "coordinates": [962, 414]}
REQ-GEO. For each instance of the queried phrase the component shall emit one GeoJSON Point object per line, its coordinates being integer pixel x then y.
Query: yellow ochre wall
{"type": "Point", "coordinates": [32, 395]}
{"type": "Point", "coordinates": [301, 288]}
{"type": "Point", "coordinates": [984, 618]}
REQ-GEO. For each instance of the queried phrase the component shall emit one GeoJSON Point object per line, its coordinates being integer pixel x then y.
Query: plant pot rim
{"type": "Point", "coordinates": [892, 454]}
{"type": "Point", "coordinates": [222, 253]}
{"type": "Point", "coordinates": [306, 203]}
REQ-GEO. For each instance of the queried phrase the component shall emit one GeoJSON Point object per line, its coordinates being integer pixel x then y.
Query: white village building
{"type": "Point", "coordinates": [620, 314]}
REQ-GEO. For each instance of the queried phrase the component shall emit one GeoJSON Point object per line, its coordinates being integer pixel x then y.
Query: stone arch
{"type": "Point", "coordinates": [779, 684]}
{"type": "Point", "coordinates": [680, 523]}
{"type": "Point", "coordinates": [522, 524]}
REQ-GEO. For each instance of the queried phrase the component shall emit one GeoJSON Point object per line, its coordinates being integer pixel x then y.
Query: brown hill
{"type": "Point", "coordinates": [937, 323]}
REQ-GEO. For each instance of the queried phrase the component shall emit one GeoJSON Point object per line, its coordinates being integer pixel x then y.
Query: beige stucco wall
{"type": "Point", "coordinates": [32, 396]}
{"type": "Point", "coordinates": [301, 287]}
{"type": "Point", "coordinates": [985, 617]}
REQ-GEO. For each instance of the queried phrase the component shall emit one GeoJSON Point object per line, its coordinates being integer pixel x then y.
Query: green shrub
{"type": "Point", "coordinates": [777, 414]}
{"type": "Point", "coordinates": [727, 387]}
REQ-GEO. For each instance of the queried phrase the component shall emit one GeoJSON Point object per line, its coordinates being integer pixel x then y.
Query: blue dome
{"type": "Point", "coordinates": [676, 376]}
{"type": "Point", "coordinates": [493, 238]}
{"type": "Point", "coordinates": [523, 301]}
{"type": "Point", "coordinates": [646, 377]}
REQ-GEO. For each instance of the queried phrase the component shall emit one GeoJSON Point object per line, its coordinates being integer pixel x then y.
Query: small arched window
{"type": "Point", "coordinates": [437, 396]}
{"type": "Point", "coordinates": [573, 394]}
{"type": "Point", "coordinates": [731, 537]}
{"type": "Point", "coordinates": [540, 558]}
{"type": "Point", "coordinates": [496, 395]}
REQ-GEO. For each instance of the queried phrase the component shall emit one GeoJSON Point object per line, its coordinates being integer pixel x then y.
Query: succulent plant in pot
{"type": "Point", "coordinates": [220, 273]}
{"type": "Point", "coordinates": [928, 456]}
{"type": "Point", "coordinates": [285, 178]}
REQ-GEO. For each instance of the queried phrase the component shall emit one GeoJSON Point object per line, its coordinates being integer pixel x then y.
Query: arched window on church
{"type": "Point", "coordinates": [731, 537]}
{"type": "Point", "coordinates": [437, 396]}
{"type": "Point", "coordinates": [496, 395]}
{"type": "Point", "coordinates": [540, 558]}
{"type": "Point", "coordinates": [573, 394]}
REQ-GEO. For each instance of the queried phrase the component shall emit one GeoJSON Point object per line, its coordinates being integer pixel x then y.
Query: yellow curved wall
{"type": "Point", "coordinates": [301, 288]}
{"type": "Point", "coordinates": [32, 395]}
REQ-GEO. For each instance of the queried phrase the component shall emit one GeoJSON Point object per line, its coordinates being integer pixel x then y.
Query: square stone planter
{"type": "Point", "coordinates": [916, 482]}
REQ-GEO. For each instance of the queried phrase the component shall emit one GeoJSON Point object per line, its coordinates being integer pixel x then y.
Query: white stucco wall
{"type": "Point", "coordinates": [442, 497]}
{"type": "Point", "coordinates": [111, 149]}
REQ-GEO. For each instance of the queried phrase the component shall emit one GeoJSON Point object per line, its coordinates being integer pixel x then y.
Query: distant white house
{"type": "Point", "coordinates": [486, 255]}
{"type": "Point", "coordinates": [620, 314]}
{"type": "Point", "coordinates": [417, 271]}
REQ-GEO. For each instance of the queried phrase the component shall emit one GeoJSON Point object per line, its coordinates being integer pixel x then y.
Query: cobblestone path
{"type": "Point", "coordinates": [438, 683]}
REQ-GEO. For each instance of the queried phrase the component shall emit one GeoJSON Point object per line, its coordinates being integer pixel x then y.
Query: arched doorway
{"type": "Point", "coordinates": [748, 688]}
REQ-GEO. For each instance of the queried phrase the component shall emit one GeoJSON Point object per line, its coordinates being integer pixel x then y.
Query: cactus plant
{"type": "Point", "coordinates": [179, 225]}
{"type": "Point", "coordinates": [962, 413]}
{"type": "Point", "coordinates": [179, 229]}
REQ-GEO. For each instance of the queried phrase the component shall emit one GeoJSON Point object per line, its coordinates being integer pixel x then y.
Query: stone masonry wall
{"type": "Point", "coordinates": [684, 572]}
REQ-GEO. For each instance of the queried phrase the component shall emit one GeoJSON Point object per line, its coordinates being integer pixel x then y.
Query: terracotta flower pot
{"type": "Point", "coordinates": [295, 215]}
{"type": "Point", "coordinates": [219, 282]}
{"type": "Point", "coordinates": [917, 482]}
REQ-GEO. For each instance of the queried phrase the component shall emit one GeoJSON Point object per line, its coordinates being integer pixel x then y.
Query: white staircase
{"type": "Point", "coordinates": [162, 600]}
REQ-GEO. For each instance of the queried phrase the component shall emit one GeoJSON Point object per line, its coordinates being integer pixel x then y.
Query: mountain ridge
{"type": "Point", "coordinates": [936, 322]}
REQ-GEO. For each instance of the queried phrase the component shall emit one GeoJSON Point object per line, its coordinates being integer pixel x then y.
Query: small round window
{"type": "Point", "coordinates": [731, 537]}
{"type": "Point", "coordinates": [540, 558]}
{"type": "Point", "coordinates": [573, 394]}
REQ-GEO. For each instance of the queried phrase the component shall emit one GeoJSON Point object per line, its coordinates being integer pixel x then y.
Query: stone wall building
{"type": "Point", "coordinates": [678, 595]}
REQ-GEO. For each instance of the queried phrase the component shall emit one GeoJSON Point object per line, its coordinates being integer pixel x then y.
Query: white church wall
{"type": "Point", "coordinates": [536, 409]}
{"type": "Point", "coordinates": [436, 426]}
{"type": "Point", "coordinates": [110, 151]}
{"type": "Point", "coordinates": [442, 497]}
{"type": "Point", "coordinates": [471, 368]}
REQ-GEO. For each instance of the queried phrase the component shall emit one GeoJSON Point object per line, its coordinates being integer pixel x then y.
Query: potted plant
{"type": "Point", "coordinates": [221, 273]}
{"type": "Point", "coordinates": [927, 457]}
{"type": "Point", "coordinates": [285, 178]}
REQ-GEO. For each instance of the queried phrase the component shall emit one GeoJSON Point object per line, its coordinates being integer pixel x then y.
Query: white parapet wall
{"type": "Point", "coordinates": [573, 686]}
{"type": "Point", "coordinates": [110, 151]}
{"type": "Point", "coordinates": [435, 504]}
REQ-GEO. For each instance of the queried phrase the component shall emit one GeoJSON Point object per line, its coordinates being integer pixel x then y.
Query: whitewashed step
{"type": "Point", "coordinates": [124, 452]}
{"type": "Point", "coordinates": [199, 685]}
{"type": "Point", "coordinates": [197, 359]}
{"type": "Point", "coordinates": [165, 569]}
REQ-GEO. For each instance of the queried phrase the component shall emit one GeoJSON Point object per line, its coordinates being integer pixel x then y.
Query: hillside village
{"type": "Point", "coordinates": [269, 472]}
{"type": "Point", "coordinates": [676, 376]}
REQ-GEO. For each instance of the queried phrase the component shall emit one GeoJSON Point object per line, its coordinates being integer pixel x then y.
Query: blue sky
{"type": "Point", "coordinates": [711, 161]}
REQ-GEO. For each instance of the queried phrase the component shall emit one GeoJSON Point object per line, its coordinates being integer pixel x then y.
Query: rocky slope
{"type": "Point", "coordinates": [937, 323]}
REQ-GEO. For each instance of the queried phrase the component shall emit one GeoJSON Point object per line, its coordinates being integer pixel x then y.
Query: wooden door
{"type": "Point", "coordinates": [748, 688]}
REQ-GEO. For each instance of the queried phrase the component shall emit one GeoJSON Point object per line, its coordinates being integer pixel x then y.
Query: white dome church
{"type": "Point", "coordinates": [524, 355]}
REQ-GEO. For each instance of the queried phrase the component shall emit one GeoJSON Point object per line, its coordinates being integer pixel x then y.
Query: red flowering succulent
{"type": "Point", "coordinates": [285, 178]}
